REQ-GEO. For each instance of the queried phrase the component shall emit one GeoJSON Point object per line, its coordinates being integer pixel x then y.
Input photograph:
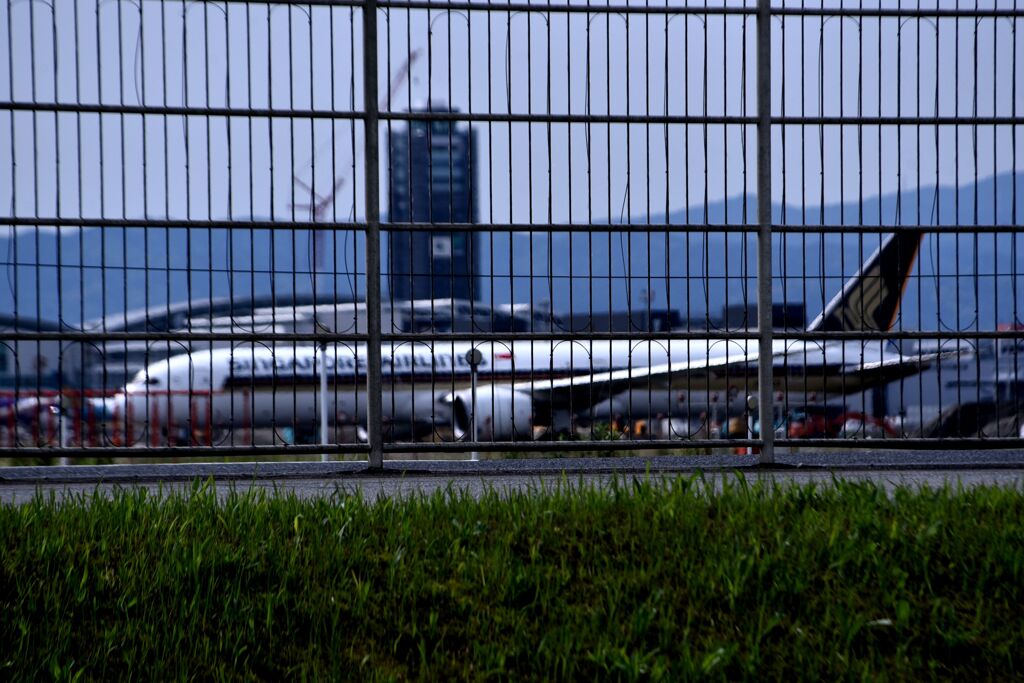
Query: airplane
{"type": "Point", "coordinates": [522, 387]}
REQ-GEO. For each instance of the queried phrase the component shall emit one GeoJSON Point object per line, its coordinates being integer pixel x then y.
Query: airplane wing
{"type": "Point", "coordinates": [585, 390]}
{"type": "Point", "coordinates": [879, 373]}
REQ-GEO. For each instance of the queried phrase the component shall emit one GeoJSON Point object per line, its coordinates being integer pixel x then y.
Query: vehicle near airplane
{"type": "Point", "coordinates": [520, 386]}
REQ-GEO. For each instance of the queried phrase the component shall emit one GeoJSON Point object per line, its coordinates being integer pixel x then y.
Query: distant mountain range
{"type": "Point", "coordinates": [942, 293]}
{"type": "Point", "coordinates": [107, 272]}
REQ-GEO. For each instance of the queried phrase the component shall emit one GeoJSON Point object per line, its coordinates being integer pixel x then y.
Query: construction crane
{"type": "Point", "coordinates": [319, 205]}
{"type": "Point", "coordinates": [399, 79]}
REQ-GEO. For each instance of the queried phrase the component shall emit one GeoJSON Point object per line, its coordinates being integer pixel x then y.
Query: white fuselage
{"type": "Point", "coordinates": [261, 386]}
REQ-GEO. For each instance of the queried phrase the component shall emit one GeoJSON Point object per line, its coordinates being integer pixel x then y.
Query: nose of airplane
{"type": "Point", "coordinates": [32, 407]}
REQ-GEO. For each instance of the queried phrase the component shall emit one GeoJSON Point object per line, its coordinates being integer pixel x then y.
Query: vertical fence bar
{"type": "Point", "coordinates": [764, 232]}
{"type": "Point", "coordinates": [323, 401]}
{"type": "Point", "coordinates": [374, 384]}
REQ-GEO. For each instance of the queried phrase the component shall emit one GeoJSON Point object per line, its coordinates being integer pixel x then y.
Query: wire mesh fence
{"type": "Point", "coordinates": [406, 227]}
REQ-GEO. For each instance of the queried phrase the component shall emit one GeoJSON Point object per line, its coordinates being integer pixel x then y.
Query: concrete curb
{"type": "Point", "coordinates": [172, 472]}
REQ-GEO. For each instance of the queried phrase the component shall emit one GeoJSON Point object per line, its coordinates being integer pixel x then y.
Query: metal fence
{"type": "Point", "coordinates": [415, 227]}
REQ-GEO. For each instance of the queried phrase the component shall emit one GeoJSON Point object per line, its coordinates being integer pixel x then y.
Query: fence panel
{"type": "Point", "coordinates": [401, 229]}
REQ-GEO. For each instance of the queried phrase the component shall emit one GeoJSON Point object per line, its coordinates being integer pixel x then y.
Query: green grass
{"type": "Point", "coordinates": [633, 581]}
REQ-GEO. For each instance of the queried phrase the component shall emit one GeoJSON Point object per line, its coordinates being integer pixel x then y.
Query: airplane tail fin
{"type": "Point", "coordinates": [870, 300]}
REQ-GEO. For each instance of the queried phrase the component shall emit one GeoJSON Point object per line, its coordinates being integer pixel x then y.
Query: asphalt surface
{"type": "Point", "coordinates": [401, 478]}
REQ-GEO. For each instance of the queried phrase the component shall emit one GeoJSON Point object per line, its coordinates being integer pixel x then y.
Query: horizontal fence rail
{"type": "Point", "coordinates": [406, 228]}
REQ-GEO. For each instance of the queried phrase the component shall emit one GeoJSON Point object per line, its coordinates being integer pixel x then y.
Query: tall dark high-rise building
{"type": "Point", "coordinates": [431, 169]}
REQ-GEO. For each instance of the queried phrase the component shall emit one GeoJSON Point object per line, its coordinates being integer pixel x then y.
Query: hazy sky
{"type": "Point", "coordinates": [276, 58]}
{"type": "Point", "coordinates": [174, 54]}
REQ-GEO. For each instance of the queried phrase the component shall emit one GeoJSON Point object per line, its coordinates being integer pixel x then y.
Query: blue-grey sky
{"type": "Point", "coordinates": [235, 55]}
{"type": "Point", "coordinates": [270, 56]}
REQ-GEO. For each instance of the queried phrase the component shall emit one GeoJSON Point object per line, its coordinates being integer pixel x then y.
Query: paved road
{"type": "Point", "coordinates": [399, 478]}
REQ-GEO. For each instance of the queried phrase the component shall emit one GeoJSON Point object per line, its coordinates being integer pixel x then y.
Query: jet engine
{"type": "Point", "coordinates": [502, 414]}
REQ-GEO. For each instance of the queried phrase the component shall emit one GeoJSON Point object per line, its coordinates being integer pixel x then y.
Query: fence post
{"type": "Point", "coordinates": [374, 386]}
{"type": "Point", "coordinates": [764, 232]}
{"type": "Point", "coordinates": [322, 366]}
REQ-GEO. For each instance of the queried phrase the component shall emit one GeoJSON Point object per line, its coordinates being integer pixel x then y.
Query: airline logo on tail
{"type": "Point", "coordinates": [870, 301]}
